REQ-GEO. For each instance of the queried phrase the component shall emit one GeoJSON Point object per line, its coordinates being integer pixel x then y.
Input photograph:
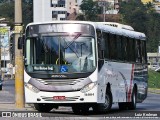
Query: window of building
{"type": "Point", "coordinates": [62, 18]}
{"type": "Point", "coordinates": [54, 14]}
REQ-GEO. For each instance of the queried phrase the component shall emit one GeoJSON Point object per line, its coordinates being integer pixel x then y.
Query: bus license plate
{"type": "Point", "coordinates": [59, 97]}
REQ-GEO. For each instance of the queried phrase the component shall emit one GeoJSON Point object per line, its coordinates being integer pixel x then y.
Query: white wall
{"type": "Point", "coordinates": [42, 11]}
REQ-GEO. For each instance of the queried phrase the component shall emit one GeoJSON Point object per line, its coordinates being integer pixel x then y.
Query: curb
{"type": "Point", "coordinates": [154, 90]}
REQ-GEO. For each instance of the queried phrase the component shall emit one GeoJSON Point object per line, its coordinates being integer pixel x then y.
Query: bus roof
{"type": "Point", "coordinates": [105, 26]}
{"type": "Point", "coordinates": [120, 31]}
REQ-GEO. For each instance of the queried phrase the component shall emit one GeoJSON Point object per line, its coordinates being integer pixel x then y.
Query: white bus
{"type": "Point", "coordinates": [84, 64]}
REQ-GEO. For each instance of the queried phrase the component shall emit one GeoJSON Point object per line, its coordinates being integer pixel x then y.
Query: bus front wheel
{"type": "Point", "coordinates": [42, 107]}
{"type": "Point", "coordinates": [106, 106]}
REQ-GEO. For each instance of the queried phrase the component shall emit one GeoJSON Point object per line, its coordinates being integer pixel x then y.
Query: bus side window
{"type": "Point", "coordinates": [124, 48]}
{"type": "Point", "coordinates": [119, 48]}
{"type": "Point", "coordinates": [112, 41]}
{"type": "Point", "coordinates": [131, 52]}
{"type": "Point", "coordinates": [138, 51]}
{"type": "Point", "coordinates": [107, 50]}
{"type": "Point", "coordinates": [99, 37]}
{"type": "Point", "coordinates": [143, 52]}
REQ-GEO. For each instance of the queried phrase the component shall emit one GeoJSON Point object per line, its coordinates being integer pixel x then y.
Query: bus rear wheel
{"type": "Point", "coordinates": [132, 105]}
{"type": "Point", "coordinates": [129, 105]}
{"type": "Point", "coordinates": [43, 107]}
{"type": "Point", "coordinates": [104, 107]}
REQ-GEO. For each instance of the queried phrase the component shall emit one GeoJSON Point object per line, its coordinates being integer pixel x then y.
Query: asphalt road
{"type": "Point", "coordinates": [150, 105]}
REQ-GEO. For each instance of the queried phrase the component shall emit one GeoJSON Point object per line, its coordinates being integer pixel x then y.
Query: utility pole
{"type": "Point", "coordinates": [19, 67]}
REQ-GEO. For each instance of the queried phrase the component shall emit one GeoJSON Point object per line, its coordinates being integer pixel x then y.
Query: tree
{"type": "Point", "coordinates": [90, 9]}
{"type": "Point", "coordinates": [7, 11]}
{"type": "Point", "coordinates": [144, 19]}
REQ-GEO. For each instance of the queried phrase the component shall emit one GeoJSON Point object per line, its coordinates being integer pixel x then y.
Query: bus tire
{"type": "Point", "coordinates": [129, 105]}
{"type": "Point", "coordinates": [104, 107]}
{"type": "Point", "coordinates": [122, 105]}
{"type": "Point", "coordinates": [42, 107]}
{"type": "Point", "coordinates": [132, 105]}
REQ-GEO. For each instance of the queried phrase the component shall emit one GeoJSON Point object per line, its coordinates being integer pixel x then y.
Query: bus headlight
{"type": "Point", "coordinates": [31, 87]}
{"type": "Point", "coordinates": [88, 87]}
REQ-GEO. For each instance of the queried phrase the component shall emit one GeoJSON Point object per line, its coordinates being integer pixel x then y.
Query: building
{"type": "Point", "coordinates": [157, 6]}
{"type": "Point", "coordinates": [155, 3]}
{"type": "Point", "coordinates": [72, 6]}
{"type": "Point", "coordinates": [109, 6]}
{"type": "Point", "coordinates": [146, 1]}
{"type": "Point", "coordinates": [49, 10]}
{"type": "Point", "coordinates": [153, 60]}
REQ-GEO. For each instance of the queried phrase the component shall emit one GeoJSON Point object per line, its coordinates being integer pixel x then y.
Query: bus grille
{"type": "Point", "coordinates": [66, 99]}
{"type": "Point", "coordinates": [60, 82]}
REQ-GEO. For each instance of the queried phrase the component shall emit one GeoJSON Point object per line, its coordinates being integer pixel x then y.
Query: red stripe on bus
{"type": "Point", "coordinates": [131, 81]}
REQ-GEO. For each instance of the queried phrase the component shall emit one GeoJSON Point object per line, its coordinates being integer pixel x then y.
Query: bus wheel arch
{"type": "Point", "coordinates": [106, 106]}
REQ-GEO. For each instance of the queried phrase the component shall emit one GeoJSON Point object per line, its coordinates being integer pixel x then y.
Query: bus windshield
{"type": "Point", "coordinates": [61, 53]}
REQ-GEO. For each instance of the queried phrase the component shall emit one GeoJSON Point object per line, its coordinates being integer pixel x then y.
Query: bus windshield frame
{"type": "Point", "coordinates": [60, 53]}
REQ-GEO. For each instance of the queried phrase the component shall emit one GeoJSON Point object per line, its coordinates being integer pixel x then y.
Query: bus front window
{"type": "Point", "coordinates": [60, 54]}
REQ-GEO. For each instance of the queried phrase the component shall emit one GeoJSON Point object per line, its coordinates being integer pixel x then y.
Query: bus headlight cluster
{"type": "Point", "coordinates": [31, 87]}
{"type": "Point", "coordinates": [88, 87]}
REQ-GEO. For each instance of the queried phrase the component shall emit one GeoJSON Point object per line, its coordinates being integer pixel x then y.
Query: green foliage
{"type": "Point", "coordinates": [154, 79]}
{"type": "Point", "coordinates": [7, 11]}
{"type": "Point", "coordinates": [90, 9]}
{"type": "Point", "coordinates": [142, 18]}
{"type": "Point", "coordinates": [3, 30]}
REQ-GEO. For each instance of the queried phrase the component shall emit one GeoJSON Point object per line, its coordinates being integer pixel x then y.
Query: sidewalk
{"type": "Point", "coordinates": [12, 107]}
{"type": "Point", "coordinates": [7, 98]}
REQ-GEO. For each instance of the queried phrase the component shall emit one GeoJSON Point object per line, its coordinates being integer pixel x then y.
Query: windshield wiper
{"type": "Point", "coordinates": [76, 37]}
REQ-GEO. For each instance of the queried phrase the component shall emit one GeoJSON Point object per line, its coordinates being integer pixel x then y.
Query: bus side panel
{"type": "Point", "coordinates": [120, 77]}
{"type": "Point", "coordinates": [140, 79]}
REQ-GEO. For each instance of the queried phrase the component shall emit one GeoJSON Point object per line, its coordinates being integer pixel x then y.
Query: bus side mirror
{"type": "Point", "coordinates": [102, 44]}
{"type": "Point", "coordinates": [20, 42]}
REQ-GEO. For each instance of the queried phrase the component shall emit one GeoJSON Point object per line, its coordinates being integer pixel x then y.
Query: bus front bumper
{"type": "Point", "coordinates": [61, 97]}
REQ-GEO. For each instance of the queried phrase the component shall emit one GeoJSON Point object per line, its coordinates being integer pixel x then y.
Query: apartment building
{"type": "Point", "coordinates": [49, 10]}
{"type": "Point", "coordinates": [146, 1]}
{"type": "Point", "coordinates": [72, 6]}
{"type": "Point", "coordinates": [157, 5]}
{"type": "Point", "coordinates": [111, 6]}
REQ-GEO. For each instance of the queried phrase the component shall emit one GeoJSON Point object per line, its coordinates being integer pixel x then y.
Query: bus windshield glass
{"type": "Point", "coordinates": [60, 52]}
